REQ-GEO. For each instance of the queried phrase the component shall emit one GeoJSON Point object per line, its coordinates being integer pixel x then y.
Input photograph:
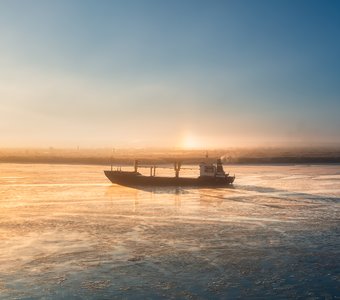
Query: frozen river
{"type": "Point", "coordinates": [67, 233]}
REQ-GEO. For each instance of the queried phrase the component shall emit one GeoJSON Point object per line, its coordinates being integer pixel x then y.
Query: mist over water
{"type": "Point", "coordinates": [67, 232]}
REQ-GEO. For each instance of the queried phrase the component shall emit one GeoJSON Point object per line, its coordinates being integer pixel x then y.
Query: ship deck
{"type": "Point", "coordinates": [136, 179]}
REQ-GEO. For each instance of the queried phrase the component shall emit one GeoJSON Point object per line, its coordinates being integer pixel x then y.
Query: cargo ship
{"type": "Point", "coordinates": [211, 175]}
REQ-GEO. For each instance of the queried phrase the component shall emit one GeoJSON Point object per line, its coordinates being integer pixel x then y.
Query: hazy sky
{"type": "Point", "coordinates": [169, 73]}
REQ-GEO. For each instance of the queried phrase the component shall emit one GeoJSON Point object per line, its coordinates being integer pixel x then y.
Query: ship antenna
{"type": "Point", "coordinates": [113, 149]}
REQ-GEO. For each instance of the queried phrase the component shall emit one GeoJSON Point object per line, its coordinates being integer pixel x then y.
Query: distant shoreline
{"type": "Point", "coordinates": [129, 162]}
{"type": "Point", "coordinates": [232, 156]}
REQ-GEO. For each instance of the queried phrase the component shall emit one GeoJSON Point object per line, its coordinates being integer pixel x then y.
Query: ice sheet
{"type": "Point", "coordinates": [66, 232]}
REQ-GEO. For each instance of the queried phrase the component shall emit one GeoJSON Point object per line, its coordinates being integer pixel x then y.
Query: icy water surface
{"type": "Point", "coordinates": [67, 233]}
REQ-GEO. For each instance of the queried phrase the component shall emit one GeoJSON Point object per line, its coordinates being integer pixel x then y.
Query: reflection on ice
{"type": "Point", "coordinates": [71, 234]}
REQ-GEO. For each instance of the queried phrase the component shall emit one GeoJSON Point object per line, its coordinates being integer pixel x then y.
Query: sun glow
{"type": "Point", "coordinates": [190, 141]}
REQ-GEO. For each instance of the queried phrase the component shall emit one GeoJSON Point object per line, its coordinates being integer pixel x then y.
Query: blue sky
{"type": "Point", "coordinates": [146, 73]}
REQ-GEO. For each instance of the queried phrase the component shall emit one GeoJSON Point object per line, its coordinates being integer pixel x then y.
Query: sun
{"type": "Point", "coordinates": [190, 141]}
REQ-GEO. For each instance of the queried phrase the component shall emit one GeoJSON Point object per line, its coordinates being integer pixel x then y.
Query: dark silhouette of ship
{"type": "Point", "coordinates": [211, 175]}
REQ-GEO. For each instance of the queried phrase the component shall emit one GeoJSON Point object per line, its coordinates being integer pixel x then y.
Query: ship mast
{"type": "Point", "coordinates": [177, 168]}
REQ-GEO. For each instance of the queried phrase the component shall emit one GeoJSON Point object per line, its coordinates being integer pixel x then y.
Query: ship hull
{"type": "Point", "coordinates": [132, 179]}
